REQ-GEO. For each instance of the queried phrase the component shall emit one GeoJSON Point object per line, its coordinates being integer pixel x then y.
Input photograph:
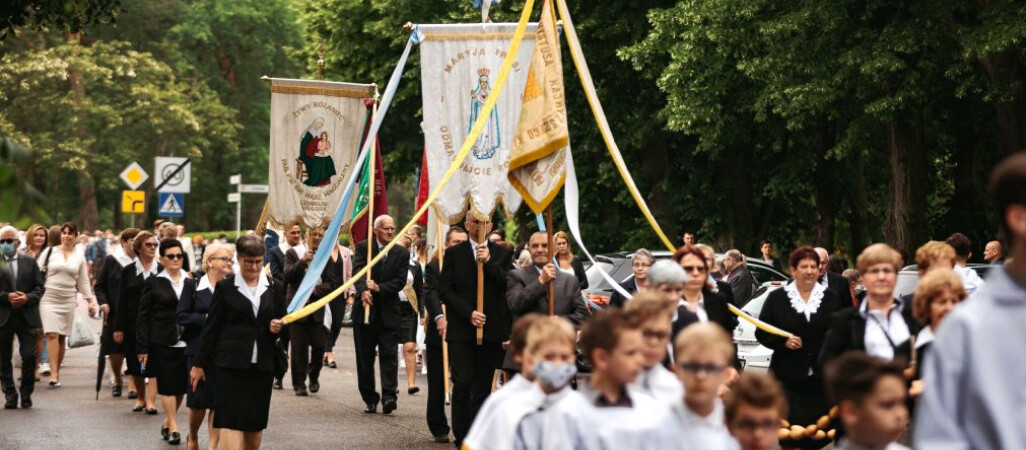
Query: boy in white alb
{"type": "Point", "coordinates": [654, 312]}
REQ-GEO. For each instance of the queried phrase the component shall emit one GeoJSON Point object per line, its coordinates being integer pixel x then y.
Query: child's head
{"type": "Point", "coordinates": [548, 352]}
{"type": "Point", "coordinates": [612, 342]}
{"type": "Point", "coordinates": [753, 410]}
{"type": "Point", "coordinates": [870, 395]}
{"type": "Point", "coordinates": [518, 342]}
{"type": "Point", "coordinates": [654, 313]}
{"type": "Point", "coordinates": [703, 353]}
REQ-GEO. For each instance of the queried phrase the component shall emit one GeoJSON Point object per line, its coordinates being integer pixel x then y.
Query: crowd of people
{"type": "Point", "coordinates": [535, 364]}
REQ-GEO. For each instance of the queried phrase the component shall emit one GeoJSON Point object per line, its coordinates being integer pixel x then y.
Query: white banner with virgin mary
{"type": "Point", "coordinates": [459, 64]}
{"type": "Point", "coordinates": [316, 131]}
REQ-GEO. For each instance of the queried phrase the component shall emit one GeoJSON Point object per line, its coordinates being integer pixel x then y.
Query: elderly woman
{"type": "Point", "coordinates": [67, 274]}
{"type": "Point", "coordinates": [804, 308]}
{"type": "Point", "coordinates": [159, 344]}
{"type": "Point", "coordinates": [192, 314]}
{"type": "Point", "coordinates": [133, 278]}
{"type": "Point", "coordinates": [640, 264]}
{"type": "Point", "coordinates": [882, 324]}
{"type": "Point", "coordinates": [939, 291]}
{"type": "Point", "coordinates": [237, 344]}
{"type": "Point", "coordinates": [108, 291]}
{"type": "Point", "coordinates": [566, 261]}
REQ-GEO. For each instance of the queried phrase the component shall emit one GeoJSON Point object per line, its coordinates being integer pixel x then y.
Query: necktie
{"type": "Point", "coordinates": [13, 275]}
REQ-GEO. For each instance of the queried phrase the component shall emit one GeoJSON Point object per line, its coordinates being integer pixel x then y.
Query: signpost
{"type": "Point", "coordinates": [133, 202]}
{"type": "Point", "coordinates": [171, 205]}
{"type": "Point", "coordinates": [173, 174]}
{"type": "Point", "coordinates": [236, 197]}
{"type": "Point", "coordinates": [134, 176]}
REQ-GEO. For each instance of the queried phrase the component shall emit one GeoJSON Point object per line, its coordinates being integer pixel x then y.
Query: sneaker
{"type": "Point", "coordinates": [44, 369]}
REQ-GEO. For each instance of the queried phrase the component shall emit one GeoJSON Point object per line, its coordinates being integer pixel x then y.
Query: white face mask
{"type": "Point", "coordinates": [555, 375]}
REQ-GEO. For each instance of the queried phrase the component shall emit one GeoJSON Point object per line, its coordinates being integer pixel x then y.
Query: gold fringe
{"type": "Point", "coordinates": [472, 36]}
{"type": "Point", "coordinates": [329, 92]}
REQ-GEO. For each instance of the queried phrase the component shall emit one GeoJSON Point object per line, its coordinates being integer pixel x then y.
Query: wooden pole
{"type": "Point", "coordinates": [552, 254]}
{"type": "Point", "coordinates": [445, 345]}
{"type": "Point", "coordinates": [371, 185]}
{"type": "Point", "coordinates": [480, 281]}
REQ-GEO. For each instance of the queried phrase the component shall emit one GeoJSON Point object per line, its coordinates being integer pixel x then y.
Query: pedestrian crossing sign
{"type": "Point", "coordinates": [133, 202]}
{"type": "Point", "coordinates": [171, 205]}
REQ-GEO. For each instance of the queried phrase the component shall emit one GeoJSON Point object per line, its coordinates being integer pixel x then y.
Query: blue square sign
{"type": "Point", "coordinates": [171, 205]}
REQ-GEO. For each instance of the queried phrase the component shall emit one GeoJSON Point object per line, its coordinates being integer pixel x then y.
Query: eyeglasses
{"type": "Point", "coordinates": [640, 264]}
{"type": "Point", "coordinates": [150, 245]}
{"type": "Point", "coordinates": [251, 262]}
{"type": "Point", "coordinates": [695, 368]}
{"type": "Point", "coordinates": [174, 256]}
{"type": "Point", "coordinates": [699, 269]}
{"type": "Point", "coordinates": [652, 334]}
{"type": "Point", "coordinates": [220, 258]}
{"type": "Point", "coordinates": [7, 241]}
{"type": "Point", "coordinates": [751, 426]}
{"type": "Point", "coordinates": [387, 229]}
{"type": "Point", "coordinates": [881, 271]}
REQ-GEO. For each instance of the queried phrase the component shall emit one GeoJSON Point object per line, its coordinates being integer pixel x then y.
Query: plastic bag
{"type": "Point", "coordinates": [81, 333]}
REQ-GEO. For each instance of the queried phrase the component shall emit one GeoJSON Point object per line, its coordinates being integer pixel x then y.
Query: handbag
{"type": "Point", "coordinates": [81, 334]}
{"type": "Point", "coordinates": [280, 359]}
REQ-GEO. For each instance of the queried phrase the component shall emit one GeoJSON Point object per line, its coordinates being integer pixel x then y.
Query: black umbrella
{"type": "Point", "coordinates": [100, 363]}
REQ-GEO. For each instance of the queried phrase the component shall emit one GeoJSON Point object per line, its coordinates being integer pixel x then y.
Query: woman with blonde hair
{"type": "Point", "coordinates": [35, 241]}
{"type": "Point", "coordinates": [939, 291]}
{"type": "Point", "coordinates": [566, 261]}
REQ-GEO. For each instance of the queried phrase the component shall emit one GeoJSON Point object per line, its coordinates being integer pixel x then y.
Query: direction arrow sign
{"type": "Point", "coordinates": [234, 197]}
{"type": "Point", "coordinates": [235, 179]}
{"type": "Point", "coordinates": [133, 202]}
{"type": "Point", "coordinates": [134, 176]}
{"type": "Point", "coordinates": [173, 174]}
{"type": "Point", "coordinates": [253, 188]}
{"type": "Point", "coordinates": [171, 205]}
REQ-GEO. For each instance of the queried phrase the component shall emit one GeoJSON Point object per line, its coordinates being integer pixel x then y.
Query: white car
{"type": "Point", "coordinates": [752, 354]}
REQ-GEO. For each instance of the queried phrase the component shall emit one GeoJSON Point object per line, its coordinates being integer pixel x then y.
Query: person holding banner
{"type": "Point", "coordinates": [474, 363]}
{"type": "Point", "coordinates": [380, 334]}
{"type": "Point", "coordinates": [307, 335]}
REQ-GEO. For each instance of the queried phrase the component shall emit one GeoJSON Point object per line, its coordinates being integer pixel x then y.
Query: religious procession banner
{"type": "Point", "coordinates": [316, 130]}
{"type": "Point", "coordinates": [537, 167]}
{"type": "Point", "coordinates": [459, 64]}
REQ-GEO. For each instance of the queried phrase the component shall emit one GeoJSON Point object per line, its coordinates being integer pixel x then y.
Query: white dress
{"type": "Point", "coordinates": [65, 278]}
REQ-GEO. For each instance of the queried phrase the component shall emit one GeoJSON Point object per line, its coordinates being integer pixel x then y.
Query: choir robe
{"type": "Point", "coordinates": [496, 423]}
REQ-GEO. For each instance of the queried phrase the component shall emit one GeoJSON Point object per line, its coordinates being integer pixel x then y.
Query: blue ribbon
{"type": "Point", "coordinates": [320, 258]}
{"type": "Point", "coordinates": [477, 3]}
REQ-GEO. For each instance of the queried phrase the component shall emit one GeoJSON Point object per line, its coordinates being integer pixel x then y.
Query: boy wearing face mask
{"type": "Point", "coordinates": [870, 395]}
{"type": "Point", "coordinates": [654, 312]}
{"type": "Point", "coordinates": [754, 408]}
{"type": "Point", "coordinates": [496, 422]}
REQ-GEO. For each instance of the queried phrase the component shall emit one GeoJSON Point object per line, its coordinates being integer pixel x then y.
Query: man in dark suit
{"type": "Point", "coordinates": [293, 235]}
{"type": "Point", "coordinates": [433, 337]}
{"type": "Point", "coordinates": [527, 292]}
{"type": "Point", "coordinates": [473, 365]}
{"type": "Point", "coordinates": [741, 282]}
{"type": "Point", "coordinates": [21, 287]}
{"type": "Point", "coordinates": [833, 281]}
{"type": "Point", "coordinates": [307, 336]}
{"type": "Point", "coordinates": [381, 333]}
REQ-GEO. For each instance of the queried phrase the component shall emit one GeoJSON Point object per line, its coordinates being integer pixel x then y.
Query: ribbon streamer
{"type": "Point", "coordinates": [507, 66]}
{"type": "Point", "coordinates": [320, 258]}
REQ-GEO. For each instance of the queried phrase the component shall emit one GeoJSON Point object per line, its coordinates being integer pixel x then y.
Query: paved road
{"type": "Point", "coordinates": [69, 417]}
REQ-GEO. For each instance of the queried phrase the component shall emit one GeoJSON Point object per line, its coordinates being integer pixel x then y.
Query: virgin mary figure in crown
{"type": "Point", "coordinates": [489, 139]}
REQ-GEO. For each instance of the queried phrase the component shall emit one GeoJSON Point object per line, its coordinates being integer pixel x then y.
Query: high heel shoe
{"type": "Point", "coordinates": [165, 433]}
{"type": "Point", "coordinates": [175, 439]}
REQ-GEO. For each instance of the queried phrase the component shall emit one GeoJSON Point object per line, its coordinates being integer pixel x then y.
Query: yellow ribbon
{"type": "Point", "coordinates": [475, 131]}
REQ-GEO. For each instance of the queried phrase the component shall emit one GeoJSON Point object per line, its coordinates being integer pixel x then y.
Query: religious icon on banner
{"type": "Point", "coordinates": [489, 140]}
{"type": "Point", "coordinates": [315, 154]}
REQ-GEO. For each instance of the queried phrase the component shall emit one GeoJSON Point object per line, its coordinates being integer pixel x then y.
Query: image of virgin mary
{"type": "Point", "coordinates": [315, 155]}
{"type": "Point", "coordinates": [489, 139]}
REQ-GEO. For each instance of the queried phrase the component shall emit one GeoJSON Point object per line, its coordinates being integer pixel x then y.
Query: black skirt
{"type": "Point", "coordinates": [132, 366]}
{"type": "Point", "coordinates": [407, 323]}
{"type": "Point", "coordinates": [167, 365]}
{"type": "Point", "coordinates": [203, 396]}
{"type": "Point", "coordinates": [806, 402]}
{"type": "Point", "coordinates": [243, 398]}
{"type": "Point", "coordinates": [107, 344]}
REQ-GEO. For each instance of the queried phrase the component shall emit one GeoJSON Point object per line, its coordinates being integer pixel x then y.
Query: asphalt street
{"type": "Point", "coordinates": [70, 417]}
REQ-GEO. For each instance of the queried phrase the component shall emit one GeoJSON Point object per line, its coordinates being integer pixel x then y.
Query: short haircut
{"type": "Point", "coordinates": [688, 250]}
{"type": "Point", "coordinates": [961, 244]}
{"type": "Point", "coordinates": [803, 252]}
{"type": "Point", "coordinates": [166, 228]}
{"type": "Point", "coordinates": [666, 271]}
{"type": "Point", "coordinates": [250, 246]}
{"type": "Point", "coordinates": [9, 229]}
{"type": "Point", "coordinates": [518, 336]}
{"type": "Point", "coordinates": [704, 336]}
{"type": "Point", "coordinates": [735, 254]}
{"type": "Point", "coordinates": [853, 376]}
{"type": "Point", "coordinates": [379, 219]}
{"type": "Point", "coordinates": [1007, 187]}
{"type": "Point", "coordinates": [651, 305]}
{"type": "Point", "coordinates": [764, 242]}
{"type": "Point", "coordinates": [756, 390]}
{"type": "Point", "coordinates": [168, 244]}
{"type": "Point", "coordinates": [931, 252]}
{"type": "Point", "coordinates": [604, 330]}
{"type": "Point", "coordinates": [455, 229]}
{"type": "Point", "coordinates": [141, 239]}
{"type": "Point", "coordinates": [214, 249]}
{"type": "Point", "coordinates": [544, 329]}
{"type": "Point", "coordinates": [644, 253]}
{"type": "Point", "coordinates": [128, 234]}
{"type": "Point", "coordinates": [500, 232]}
{"type": "Point", "coordinates": [878, 254]}
{"type": "Point", "coordinates": [852, 275]}
{"type": "Point", "coordinates": [70, 227]}
{"type": "Point", "coordinates": [706, 249]}
{"type": "Point", "coordinates": [930, 286]}
{"type": "Point", "coordinates": [157, 223]}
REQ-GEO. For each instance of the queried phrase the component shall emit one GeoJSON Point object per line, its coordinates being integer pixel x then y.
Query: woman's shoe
{"type": "Point", "coordinates": [138, 408]}
{"type": "Point", "coordinates": [165, 432]}
{"type": "Point", "coordinates": [324, 362]}
{"type": "Point", "coordinates": [132, 395]}
{"type": "Point", "coordinates": [151, 411]}
{"type": "Point", "coordinates": [116, 390]}
{"type": "Point", "coordinates": [413, 390]}
{"type": "Point", "coordinates": [333, 364]}
{"type": "Point", "coordinates": [55, 384]}
{"type": "Point", "coordinates": [176, 438]}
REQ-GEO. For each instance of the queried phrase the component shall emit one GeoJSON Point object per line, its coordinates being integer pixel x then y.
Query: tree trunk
{"type": "Point", "coordinates": [858, 224]}
{"type": "Point", "coordinates": [1006, 71]}
{"type": "Point", "coordinates": [826, 192]}
{"type": "Point", "coordinates": [905, 227]}
{"type": "Point", "coordinates": [88, 214]}
{"type": "Point", "coordinates": [738, 210]}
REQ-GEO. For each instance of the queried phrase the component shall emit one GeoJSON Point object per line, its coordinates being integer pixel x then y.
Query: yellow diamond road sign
{"type": "Point", "coordinates": [133, 202]}
{"type": "Point", "coordinates": [134, 176]}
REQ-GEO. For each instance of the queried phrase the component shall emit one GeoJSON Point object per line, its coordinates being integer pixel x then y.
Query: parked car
{"type": "Point", "coordinates": [908, 277]}
{"type": "Point", "coordinates": [750, 352]}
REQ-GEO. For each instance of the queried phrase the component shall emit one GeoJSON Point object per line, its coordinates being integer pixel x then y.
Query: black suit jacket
{"type": "Point", "coordinates": [28, 280]}
{"type": "Point", "coordinates": [295, 271]}
{"type": "Point", "coordinates": [742, 284]}
{"type": "Point", "coordinates": [458, 291]}
{"type": "Point", "coordinates": [848, 332]}
{"type": "Point", "coordinates": [839, 285]}
{"type": "Point", "coordinates": [277, 262]}
{"type": "Point", "coordinates": [617, 300]}
{"type": "Point", "coordinates": [793, 365]}
{"type": "Point", "coordinates": [231, 328]}
{"type": "Point", "coordinates": [129, 293]}
{"type": "Point", "coordinates": [157, 324]}
{"type": "Point", "coordinates": [429, 300]}
{"type": "Point", "coordinates": [192, 314]}
{"type": "Point", "coordinates": [716, 308]}
{"type": "Point", "coordinates": [390, 275]}
{"type": "Point", "coordinates": [725, 292]}
{"type": "Point", "coordinates": [107, 287]}
{"type": "Point", "coordinates": [525, 295]}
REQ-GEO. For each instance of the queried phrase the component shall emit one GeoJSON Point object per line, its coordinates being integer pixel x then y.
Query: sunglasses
{"type": "Point", "coordinates": [150, 245]}
{"type": "Point", "coordinates": [7, 241]}
{"type": "Point", "coordinates": [174, 256]}
{"type": "Point", "coordinates": [695, 368]}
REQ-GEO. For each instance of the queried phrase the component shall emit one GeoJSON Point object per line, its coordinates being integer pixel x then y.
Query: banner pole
{"type": "Point", "coordinates": [371, 187]}
{"type": "Point", "coordinates": [445, 345]}
{"type": "Point", "coordinates": [480, 282]}
{"type": "Point", "coordinates": [552, 253]}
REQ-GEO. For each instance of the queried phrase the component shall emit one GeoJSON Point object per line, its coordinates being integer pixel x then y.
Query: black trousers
{"type": "Point", "coordinates": [284, 336]}
{"type": "Point", "coordinates": [436, 420]}
{"type": "Point", "coordinates": [338, 312]}
{"type": "Point", "coordinates": [16, 325]}
{"type": "Point", "coordinates": [472, 369]}
{"type": "Point", "coordinates": [374, 340]}
{"type": "Point", "coordinates": [307, 350]}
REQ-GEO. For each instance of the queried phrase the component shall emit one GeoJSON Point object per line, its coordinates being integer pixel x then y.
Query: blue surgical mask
{"type": "Point", "coordinates": [555, 375]}
{"type": "Point", "coordinates": [8, 249]}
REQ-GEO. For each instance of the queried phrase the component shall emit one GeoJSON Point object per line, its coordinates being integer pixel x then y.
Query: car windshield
{"type": "Point", "coordinates": [906, 284]}
{"type": "Point", "coordinates": [595, 279]}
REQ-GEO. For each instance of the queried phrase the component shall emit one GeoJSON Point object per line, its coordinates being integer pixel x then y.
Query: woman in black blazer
{"type": "Point", "coordinates": [710, 306]}
{"type": "Point", "coordinates": [133, 278]}
{"type": "Point", "coordinates": [158, 338]}
{"type": "Point", "coordinates": [237, 345]}
{"type": "Point", "coordinates": [192, 314]}
{"type": "Point", "coordinates": [566, 261]}
{"type": "Point", "coordinates": [804, 308]}
{"type": "Point", "coordinates": [640, 264]}
{"type": "Point", "coordinates": [108, 291]}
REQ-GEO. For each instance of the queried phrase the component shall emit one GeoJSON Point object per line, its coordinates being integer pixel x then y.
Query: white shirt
{"type": "Point", "coordinates": [876, 338]}
{"type": "Point", "coordinates": [204, 283]}
{"type": "Point", "coordinates": [496, 423]}
{"type": "Point", "coordinates": [970, 279]}
{"type": "Point", "coordinates": [709, 432]}
{"type": "Point", "coordinates": [139, 270]}
{"type": "Point", "coordinates": [699, 309]}
{"type": "Point", "coordinates": [661, 384]}
{"type": "Point", "coordinates": [576, 422]}
{"type": "Point", "coordinates": [846, 444]}
{"type": "Point", "coordinates": [253, 295]}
